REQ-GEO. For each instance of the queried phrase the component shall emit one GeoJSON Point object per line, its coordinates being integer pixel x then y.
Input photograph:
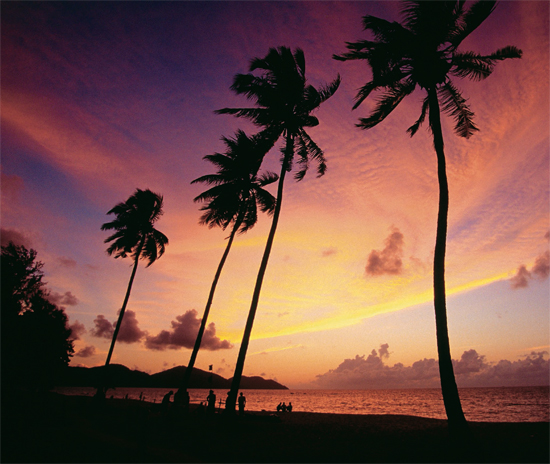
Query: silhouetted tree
{"type": "Point", "coordinates": [135, 236]}
{"type": "Point", "coordinates": [284, 106]}
{"type": "Point", "coordinates": [234, 199]}
{"type": "Point", "coordinates": [423, 52]}
{"type": "Point", "coordinates": [36, 343]}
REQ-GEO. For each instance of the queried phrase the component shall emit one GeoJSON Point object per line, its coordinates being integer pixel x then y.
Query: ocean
{"type": "Point", "coordinates": [503, 404]}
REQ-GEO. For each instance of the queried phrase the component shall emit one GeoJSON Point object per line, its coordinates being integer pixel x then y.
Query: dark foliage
{"type": "Point", "coordinates": [35, 334]}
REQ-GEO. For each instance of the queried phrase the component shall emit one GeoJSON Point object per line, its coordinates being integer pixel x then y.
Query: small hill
{"type": "Point", "coordinates": [120, 376]}
{"type": "Point", "coordinates": [171, 378]}
{"type": "Point", "coordinates": [259, 383]}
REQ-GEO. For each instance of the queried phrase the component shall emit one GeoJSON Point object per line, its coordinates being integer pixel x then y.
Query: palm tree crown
{"type": "Point", "coordinates": [238, 189]}
{"type": "Point", "coordinates": [234, 199]}
{"type": "Point", "coordinates": [423, 51]}
{"type": "Point", "coordinates": [284, 103]}
{"type": "Point", "coordinates": [134, 225]}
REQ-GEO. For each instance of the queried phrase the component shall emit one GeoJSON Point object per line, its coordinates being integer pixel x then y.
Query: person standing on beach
{"type": "Point", "coordinates": [211, 399]}
{"type": "Point", "coordinates": [242, 403]}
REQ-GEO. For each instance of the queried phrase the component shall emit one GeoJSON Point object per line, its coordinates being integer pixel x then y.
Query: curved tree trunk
{"type": "Point", "coordinates": [449, 390]}
{"type": "Point", "coordinates": [196, 347]}
{"type": "Point", "coordinates": [235, 383]}
{"type": "Point", "coordinates": [126, 298]}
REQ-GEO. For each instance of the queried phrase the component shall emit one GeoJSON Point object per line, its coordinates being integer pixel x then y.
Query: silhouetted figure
{"type": "Point", "coordinates": [211, 399]}
{"type": "Point", "coordinates": [279, 407]}
{"type": "Point", "coordinates": [99, 396]}
{"type": "Point", "coordinates": [289, 407]}
{"type": "Point", "coordinates": [242, 403]}
{"type": "Point", "coordinates": [283, 407]}
{"type": "Point", "coordinates": [200, 409]}
{"type": "Point", "coordinates": [166, 399]}
{"type": "Point", "coordinates": [181, 398]}
{"type": "Point", "coordinates": [141, 396]}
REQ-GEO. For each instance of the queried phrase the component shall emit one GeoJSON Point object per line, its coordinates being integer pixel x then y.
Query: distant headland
{"type": "Point", "coordinates": [121, 376]}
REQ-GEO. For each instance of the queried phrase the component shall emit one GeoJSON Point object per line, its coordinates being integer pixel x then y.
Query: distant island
{"type": "Point", "coordinates": [121, 376]}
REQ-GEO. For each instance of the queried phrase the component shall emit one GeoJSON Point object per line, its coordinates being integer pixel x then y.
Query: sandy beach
{"type": "Point", "coordinates": [58, 428]}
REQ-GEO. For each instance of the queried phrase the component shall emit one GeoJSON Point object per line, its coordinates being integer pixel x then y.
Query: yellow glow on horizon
{"type": "Point", "coordinates": [347, 318]}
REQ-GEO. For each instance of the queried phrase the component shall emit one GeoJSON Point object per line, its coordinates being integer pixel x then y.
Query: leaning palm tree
{"type": "Point", "coordinates": [284, 106]}
{"type": "Point", "coordinates": [423, 52]}
{"type": "Point", "coordinates": [135, 236]}
{"type": "Point", "coordinates": [237, 192]}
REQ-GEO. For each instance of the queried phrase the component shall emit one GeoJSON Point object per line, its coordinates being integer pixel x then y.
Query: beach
{"type": "Point", "coordinates": [56, 428]}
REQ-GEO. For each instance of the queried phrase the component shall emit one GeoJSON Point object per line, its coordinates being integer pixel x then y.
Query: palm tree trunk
{"type": "Point", "coordinates": [449, 390]}
{"type": "Point", "coordinates": [232, 396]}
{"type": "Point", "coordinates": [196, 347]}
{"type": "Point", "coordinates": [126, 298]}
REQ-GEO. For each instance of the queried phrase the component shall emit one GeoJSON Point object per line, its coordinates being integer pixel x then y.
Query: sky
{"type": "Point", "coordinates": [101, 98]}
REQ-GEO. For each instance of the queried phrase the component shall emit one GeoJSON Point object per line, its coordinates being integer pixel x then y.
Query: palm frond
{"type": "Point", "coordinates": [266, 200]}
{"type": "Point", "coordinates": [387, 103]}
{"type": "Point", "coordinates": [454, 104]}
{"type": "Point", "coordinates": [414, 128]}
{"type": "Point", "coordinates": [303, 158]}
{"type": "Point", "coordinates": [250, 113]}
{"type": "Point", "coordinates": [208, 179]}
{"type": "Point", "coordinates": [471, 20]}
{"type": "Point", "coordinates": [471, 65]}
{"type": "Point", "coordinates": [314, 152]}
{"type": "Point", "coordinates": [363, 93]}
{"type": "Point", "coordinates": [267, 178]}
{"type": "Point", "coordinates": [478, 67]}
{"type": "Point", "coordinates": [328, 90]}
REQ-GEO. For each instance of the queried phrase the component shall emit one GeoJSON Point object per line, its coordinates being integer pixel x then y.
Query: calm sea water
{"type": "Point", "coordinates": [505, 404]}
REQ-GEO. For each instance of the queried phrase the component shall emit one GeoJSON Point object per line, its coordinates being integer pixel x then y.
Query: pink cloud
{"type": "Point", "coordinates": [102, 327]}
{"type": "Point", "coordinates": [77, 329]}
{"type": "Point", "coordinates": [184, 333]}
{"type": "Point", "coordinates": [67, 298]}
{"type": "Point", "coordinates": [540, 269]}
{"type": "Point", "coordinates": [471, 370]}
{"type": "Point", "coordinates": [15, 236]}
{"type": "Point", "coordinates": [388, 260]}
{"type": "Point", "coordinates": [129, 331]}
{"type": "Point", "coordinates": [86, 352]}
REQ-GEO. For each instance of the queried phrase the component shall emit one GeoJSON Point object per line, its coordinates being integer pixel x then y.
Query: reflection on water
{"type": "Point", "coordinates": [506, 404]}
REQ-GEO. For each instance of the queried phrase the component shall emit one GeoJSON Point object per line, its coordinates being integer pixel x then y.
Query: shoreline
{"type": "Point", "coordinates": [61, 428]}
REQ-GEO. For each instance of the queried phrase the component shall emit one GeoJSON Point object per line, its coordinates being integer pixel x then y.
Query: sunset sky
{"type": "Point", "coordinates": [101, 98]}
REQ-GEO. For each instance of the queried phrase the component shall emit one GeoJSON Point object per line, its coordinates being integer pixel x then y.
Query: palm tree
{"type": "Point", "coordinates": [135, 236]}
{"type": "Point", "coordinates": [423, 52]}
{"type": "Point", "coordinates": [234, 199]}
{"type": "Point", "coordinates": [284, 103]}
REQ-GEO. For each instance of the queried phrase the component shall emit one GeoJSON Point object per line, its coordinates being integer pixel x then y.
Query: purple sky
{"type": "Point", "coordinates": [101, 98]}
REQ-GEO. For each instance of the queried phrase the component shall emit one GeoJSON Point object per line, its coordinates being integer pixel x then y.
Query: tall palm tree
{"type": "Point", "coordinates": [135, 236]}
{"type": "Point", "coordinates": [284, 105]}
{"type": "Point", "coordinates": [237, 192]}
{"type": "Point", "coordinates": [423, 52]}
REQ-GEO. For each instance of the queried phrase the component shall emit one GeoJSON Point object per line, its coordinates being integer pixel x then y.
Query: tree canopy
{"type": "Point", "coordinates": [36, 341]}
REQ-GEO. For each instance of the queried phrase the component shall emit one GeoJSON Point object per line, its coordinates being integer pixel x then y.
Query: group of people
{"type": "Point", "coordinates": [210, 401]}
{"type": "Point", "coordinates": [282, 407]}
